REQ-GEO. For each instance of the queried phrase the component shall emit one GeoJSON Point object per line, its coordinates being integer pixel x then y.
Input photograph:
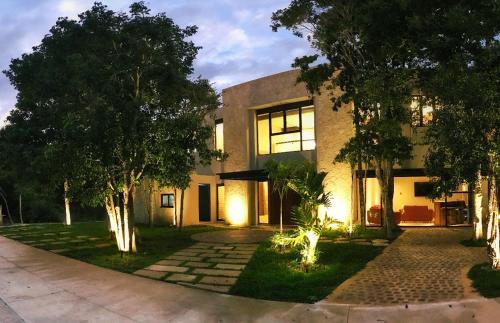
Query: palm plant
{"type": "Point", "coordinates": [280, 173]}
{"type": "Point", "coordinates": [308, 184]}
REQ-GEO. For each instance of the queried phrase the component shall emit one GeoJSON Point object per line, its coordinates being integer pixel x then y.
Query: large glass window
{"type": "Point", "coordinates": [286, 128]}
{"type": "Point", "coordinates": [421, 111]}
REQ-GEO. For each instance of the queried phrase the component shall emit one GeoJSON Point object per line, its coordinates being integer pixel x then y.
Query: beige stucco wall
{"type": "Point", "coordinates": [333, 130]}
{"type": "Point", "coordinates": [240, 103]}
{"type": "Point", "coordinates": [165, 216]}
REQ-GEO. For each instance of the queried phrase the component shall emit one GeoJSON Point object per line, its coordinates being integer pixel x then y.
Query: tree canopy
{"type": "Point", "coordinates": [113, 98]}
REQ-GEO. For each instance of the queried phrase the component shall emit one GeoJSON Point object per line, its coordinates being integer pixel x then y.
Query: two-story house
{"type": "Point", "coordinates": [275, 117]}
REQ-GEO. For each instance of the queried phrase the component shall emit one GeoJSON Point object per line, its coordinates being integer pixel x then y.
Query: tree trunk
{"type": "Point", "coordinates": [66, 202]}
{"type": "Point", "coordinates": [470, 205]}
{"type": "Point", "coordinates": [493, 234]}
{"type": "Point", "coordinates": [386, 182]}
{"type": "Point", "coordinates": [21, 209]}
{"type": "Point", "coordinates": [478, 208]}
{"type": "Point", "coordinates": [110, 210]}
{"type": "Point", "coordinates": [361, 196]}
{"type": "Point", "coordinates": [175, 208]}
{"type": "Point", "coordinates": [119, 223]}
{"type": "Point", "coordinates": [281, 213]}
{"type": "Point", "coordinates": [181, 212]}
{"type": "Point", "coordinates": [151, 203]}
{"type": "Point", "coordinates": [131, 220]}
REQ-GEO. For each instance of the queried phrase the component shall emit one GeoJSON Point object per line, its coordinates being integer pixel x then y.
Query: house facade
{"type": "Point", "coordinates": [275, 117]}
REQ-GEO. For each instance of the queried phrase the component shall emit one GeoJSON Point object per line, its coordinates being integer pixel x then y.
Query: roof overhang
{"type": "Point", "coordinates": [246, 175]}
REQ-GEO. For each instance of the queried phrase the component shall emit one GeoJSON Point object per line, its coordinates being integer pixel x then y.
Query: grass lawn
{"type": "Point", "coordinates": [94, 244]}
{"type": "Point", "coordinates": [273, 276]}
{"type": "Point", "coordinates": [485, 280]}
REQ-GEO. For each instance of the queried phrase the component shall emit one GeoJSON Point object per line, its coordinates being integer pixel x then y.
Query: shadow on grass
{"type": "Point", "coordinates": [273, 276]}
{"type": "Point", "coordinates": [485, 280]}
{"type": "Point", "coordinates": [474, 243]}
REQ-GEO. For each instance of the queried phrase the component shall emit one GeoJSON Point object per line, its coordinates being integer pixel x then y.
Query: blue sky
{"type": "Point", "coordinates": [238, 44]}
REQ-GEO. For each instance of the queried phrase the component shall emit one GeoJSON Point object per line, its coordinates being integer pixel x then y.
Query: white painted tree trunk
{"type": "Point", "coordinates": [493, 234]}
{"type": "Point", "coordinates": [478, 209]}
{"type": "Point", "coordinates": [66, 203]}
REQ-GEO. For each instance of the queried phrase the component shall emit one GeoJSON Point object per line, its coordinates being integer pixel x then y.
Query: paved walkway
{"type": "Point", "coordinates": [211, 266]}
{"type": "Point", "coordinates": [423, 265]}
{"type": "Point", "coordinates": [214, 264]}
{"type": "Point", "coordinates": [41, 287]}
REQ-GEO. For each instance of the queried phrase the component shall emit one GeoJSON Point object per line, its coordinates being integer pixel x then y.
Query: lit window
{"type": "Point", "coordinates": [421, 111]}
{"type": "Point", "coordinates": [286, 128]}
{"type": "Point", "coordinates": [167, 200]}
{"type": "Point", "coordinates": [263, 133]}
{"type": "Point", "coordinates": [219, 135]}
{"type": "Point", "coordinates": [221, 215]}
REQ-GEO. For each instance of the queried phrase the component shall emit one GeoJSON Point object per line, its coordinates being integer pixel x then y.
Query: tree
{"type": "Point", "coordinates": [308, 184]}
{"type": "Point", "coordinates": [131, 101]}
{"type": "Point", "coordinates": [369, 59]}
{"type": "Point", "coordinates": [464, 137]}
{"type": "Point", "coordinates": [280, 174]}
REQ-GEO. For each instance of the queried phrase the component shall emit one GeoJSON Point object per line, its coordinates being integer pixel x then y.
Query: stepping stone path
{"type": "Point", "coordinates": [205, 265]}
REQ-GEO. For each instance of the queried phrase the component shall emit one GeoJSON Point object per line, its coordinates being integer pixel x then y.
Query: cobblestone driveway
{"type": "Point", "coordinates": [423, 265]}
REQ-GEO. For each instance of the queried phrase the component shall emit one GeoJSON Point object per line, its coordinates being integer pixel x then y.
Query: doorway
{"type": "Point", "coordinates": [204, 202]}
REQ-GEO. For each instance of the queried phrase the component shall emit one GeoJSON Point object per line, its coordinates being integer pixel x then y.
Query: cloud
{"type": "Point", "coordinates": [238, 44]}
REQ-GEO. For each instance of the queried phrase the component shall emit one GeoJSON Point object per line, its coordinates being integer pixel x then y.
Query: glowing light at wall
{"type": "Point", "coordinates": [338, 210]}
{"type": "Point", "coordinates": [236, 212]}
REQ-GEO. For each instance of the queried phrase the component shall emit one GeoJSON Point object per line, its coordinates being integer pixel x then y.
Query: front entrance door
{"type": "Point", "coordinates": [290, 201]}
{"type": "Point", "coordinates": [204, 202]}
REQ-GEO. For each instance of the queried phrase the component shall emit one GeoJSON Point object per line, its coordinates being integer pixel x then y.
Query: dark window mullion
{"type": "Point", "coordinates": [270, 133]}
{"type": "Point", "coordinates": [300, 127]}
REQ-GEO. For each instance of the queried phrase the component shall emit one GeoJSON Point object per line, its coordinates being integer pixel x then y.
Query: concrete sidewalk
{"type": "Point", "coordinates": [44, 287]}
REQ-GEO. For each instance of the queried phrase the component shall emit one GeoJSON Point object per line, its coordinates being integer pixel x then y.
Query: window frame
{"type": "Point", "coordinates": [219, 121]}
{"type": "Point", "coordinates": [283, 108]}
{"type": "Point", "coordinates": [420, 98]}
{"type": "Point", "coordinates": [167, 206]}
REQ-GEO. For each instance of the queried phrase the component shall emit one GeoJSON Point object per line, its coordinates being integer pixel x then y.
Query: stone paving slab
{"type": "Point", "coordinates": [230, 266]}
{"type": "Point", "coordinates": [198, 264]}
{"type": "Point", "coordinates": [171, 269]}
{"type": "Point", "coordinates": [149, 273]}
{"type": "Point", "coordinates": [181, 278]}
{"type": "Point", "coordinates": [169, 262]}
{"type": "Point", "coordinates": [184, 258]}
{"type": "Point", "coordinates": [228, 260]}
{"type": "Point", "coordinates": [213, 280]}
{"type": "Point", "coordinates": [217, 272]}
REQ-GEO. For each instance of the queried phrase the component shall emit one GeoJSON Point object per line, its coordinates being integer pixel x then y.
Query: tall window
{"type": "Point", "coordinates": [286, 128]}
{"type": "Point", "coordinates": [421, 111]}
{"type": "Point", "coordinates": [219, 135]}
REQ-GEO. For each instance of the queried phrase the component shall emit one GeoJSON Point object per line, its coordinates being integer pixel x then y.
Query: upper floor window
{"type": "Point", "coordinates": [219, 135]}
{"type": "Point", "coordinates": [286, 128]}
{"type": "Point", "coordinates": [421, 111]}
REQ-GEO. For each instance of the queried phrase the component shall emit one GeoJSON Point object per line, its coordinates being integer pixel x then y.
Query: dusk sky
{"type": "Point", "coordinates": [238, 44]}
